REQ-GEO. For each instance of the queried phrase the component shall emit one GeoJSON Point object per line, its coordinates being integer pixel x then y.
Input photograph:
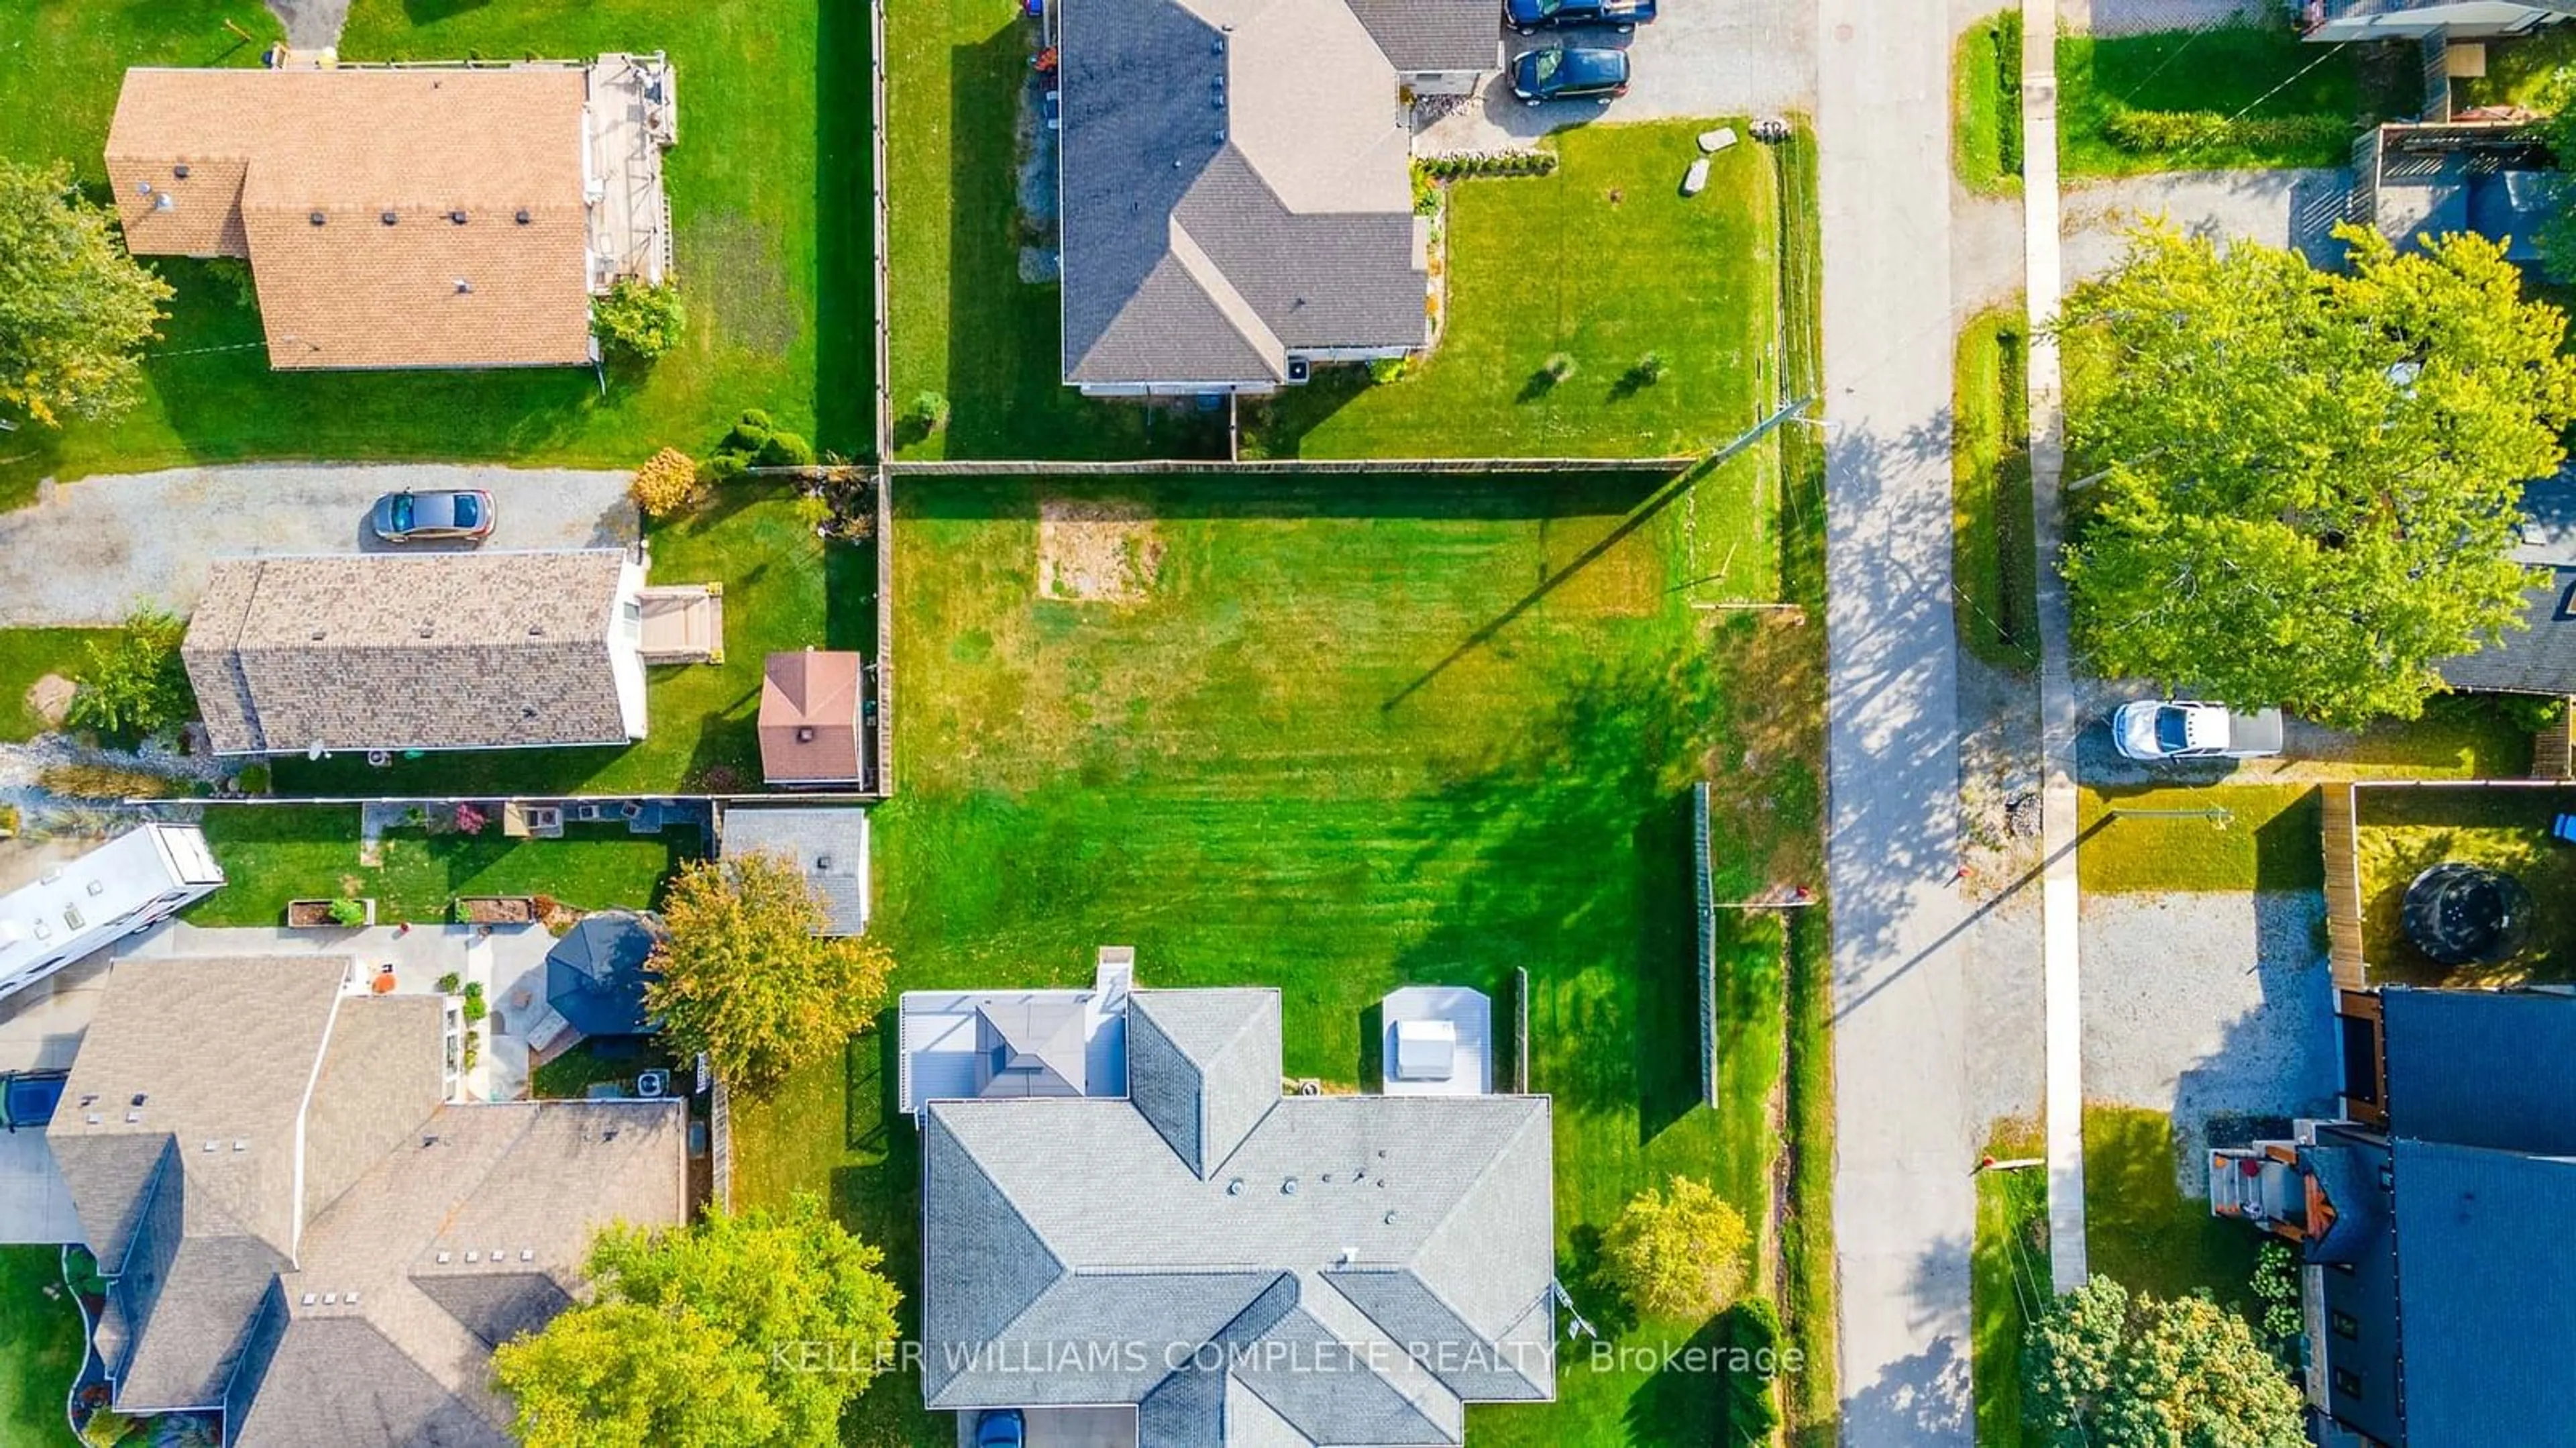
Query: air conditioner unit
{"type": "Point", "coordinates": [653, 1085]}
{"type": "Point", "coordinates": [1296, 369]}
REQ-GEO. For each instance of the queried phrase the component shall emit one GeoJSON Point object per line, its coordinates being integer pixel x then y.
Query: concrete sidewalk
{"type": "Point", "coordinates": [1904, 1207]}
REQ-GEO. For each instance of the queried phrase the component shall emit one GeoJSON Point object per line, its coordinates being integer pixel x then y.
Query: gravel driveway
{"type": "Point", "coordinates": [96, 548]}
{"type": "Point", "coordinates": [1699, 58]}
{"type": "Point", "coordinates": [2208, 1004]}
{"type": "Point", "coordinates": [2294, 207]}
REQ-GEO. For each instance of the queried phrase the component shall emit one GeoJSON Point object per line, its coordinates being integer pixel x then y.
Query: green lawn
{"type": "Point", "coordinates": [28, 654]}
{"type": "Point", "coordinates": [2269, 841]}
{"type": "Point", "coordinates": [768, 189]}
{"type": "Point", "coordinates": [2404, 832]}
{"type": "Point", "coordinates": [1985, 85]}
{"type": "Point", "coordinates": [40, 1346]}
{"type": "Point", "coordinates": [275, 853]}
{"type": "Point", "coordinates": [1526, 281]}
{"type": "Point", "coordinates": [2459, 736]}
{"type": "Point", "coordinates": [1341, 734]}
{"type": "Point", "coordinates": [1994, 548]}
{"type": "Point", "coordinates": [784, 589]}
{"type": "Point", "coordinates": [963, 323]}
{"type": "Point", "coordinates": [2265, 73]}
{"type": "Point", "coordinates": [569, 1076]}
{"type": "Point", "coordinates": [2008, 1277]}
{"type": "Point", "coordinates": [2139, 1229]}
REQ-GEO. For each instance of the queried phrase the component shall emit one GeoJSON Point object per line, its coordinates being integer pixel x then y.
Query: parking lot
{"type": "Point", "coordinates": [1698, 58]}
{"type": "Point", "coordinates": [94, 549]}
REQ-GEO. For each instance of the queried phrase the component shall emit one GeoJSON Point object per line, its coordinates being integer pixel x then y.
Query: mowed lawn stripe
{"type": "Point", "coordinates": [1345, 736]}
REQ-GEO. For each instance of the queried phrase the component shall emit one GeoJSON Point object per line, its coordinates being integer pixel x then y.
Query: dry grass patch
{"type": "Point", "coordinates": [1099, 550]}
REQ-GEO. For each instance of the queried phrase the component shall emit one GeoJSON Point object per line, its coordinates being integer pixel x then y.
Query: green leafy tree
{"type": "Point", "coordinates": [2102, 1368]}
{"type": "Point", "coordinates": [750, 1331]}
{"type": "Point", "coordinates": [1678, 1254]}
{"type": "Point", "coordinates": [639, 318]}
{"type": "Point", "coordinates": [745, 976]}
{"type": "Point", "coordinates": [74, 307]}
{"type": "Point", "coordinates": [138, 683]}
{"type": "Point", "coordinates": [2308, 483]}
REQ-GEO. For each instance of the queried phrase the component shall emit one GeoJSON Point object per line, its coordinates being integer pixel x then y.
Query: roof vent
{"type": "Point", "coordinates": [1216, 45]}
{"type": "Point", "coordinates": [145, 187]}
{"type": "Point", "coordinates": [390, 218]}
{"type": "Point", "coordinates": [527, 1254]}
{"type": "Point", "coordinates": [98, 887]}
{"type": "Point", "coordinates": [457, 216]}
{"type": "Point", "coordinates": [240, 1144]}
{"type": "Point", "coordinates": [351, 1299]}
{"type": "Point", "coordinates": [179, 171]}
{"type": "Point", "coordinates": [473, 1256]}
{"type": "Point", "coordinates": [138, 1098]}
{"type": "Point", "coordinates": [211, 1143]}
{"type": "Point", "coordinates": [1390, 1219]}
{"type": "Point", "coordinates": [804, 733]}
{"type": "Point", "coordinates": [308, 1299]}
{"type": "Point", "coordinates": [523, 216]}
{"type": "Point", "coordinates": [163, 202]}
{"type": "Point", "coordinates": [317, 636]}
{"type": "Point", "coordinates": [442, 1259]}
{"type": "Point", "coordinates": [1288, 1188]}
{"type": "Point", "coordinates": [1350, 1255]}
{"type": "Point", "coordinates": [463, 286]}
{"type": "Point", "coordinates": [1234, 1188]}
{"type": "Point", "coordinates": [536, 630]}
{"type": "Point", "coordinates": [93, 1118]}
{"type": "Point", "coordinates": [318, 218]}
{"type": "Point", "coordinates": [822, 864]}
{"type": "Point", "coordinates": [426, 630]}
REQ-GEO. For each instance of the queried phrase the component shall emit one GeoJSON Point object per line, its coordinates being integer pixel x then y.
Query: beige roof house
{"type": "Point", "coordinates": [809, 718]}
{"type": "Point", "coordinates": [492, 650]}
{"type": "Point", "coordinates": [301, 1231]}
{"type": "Point", "coordinates": [430, 216]}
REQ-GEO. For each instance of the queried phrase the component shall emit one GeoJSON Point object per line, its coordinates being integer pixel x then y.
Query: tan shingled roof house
{"type": "Point", "coordinates": [496, 650]}
{"type": "Point", "coordinates": [428, 216]}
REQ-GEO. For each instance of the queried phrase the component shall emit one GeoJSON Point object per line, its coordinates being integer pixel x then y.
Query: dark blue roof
{"type": "Point", "coordinates": [2487, 1295]}
{"type": "Point", "coordinates": [595, 975]}
{"type": "Point", "coordinates": [2482, 1068]}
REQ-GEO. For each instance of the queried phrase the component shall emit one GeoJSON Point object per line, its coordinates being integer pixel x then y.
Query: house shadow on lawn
{"type": "Point", "coordinates": [845, 235]}
{"type": "Point", "coordinates": [1271, 495]}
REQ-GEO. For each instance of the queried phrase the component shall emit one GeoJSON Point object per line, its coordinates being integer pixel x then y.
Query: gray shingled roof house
{"type": "Point", "coordinates": [1236, 186]}
{"type": "Point", "coordinates": [2433, 1218]}
{"type": "Point", "coordinates": [369, 651]}
{"type": "Point", "coordinates": [828, 843]}
{"type": "Point", "coordinates": [1239, 1266]}
{"type": "Point", "coordinates": [300, 1231]}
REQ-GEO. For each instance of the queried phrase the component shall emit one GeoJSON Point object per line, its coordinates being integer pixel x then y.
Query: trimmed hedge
{"type": "Point", "coordinates": [1488, 163]}
{"type": "Point", "coordinates": [2160, 132]}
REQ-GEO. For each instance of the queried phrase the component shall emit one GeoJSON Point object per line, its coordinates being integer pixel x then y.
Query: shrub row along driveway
{"type": "Point", "coordinates": [96, 549]}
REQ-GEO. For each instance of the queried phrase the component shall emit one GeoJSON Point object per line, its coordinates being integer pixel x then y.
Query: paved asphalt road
{"type": "Point", "coordinates": [102, 545]}
{"type": "Point", "coordinates": [1904, 1208]}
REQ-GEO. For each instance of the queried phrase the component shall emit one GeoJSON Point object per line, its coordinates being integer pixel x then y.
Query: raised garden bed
{"type": "Point", "coordinates": [316, 915]}
{"type": "Point", "coordinates": [496, 910]}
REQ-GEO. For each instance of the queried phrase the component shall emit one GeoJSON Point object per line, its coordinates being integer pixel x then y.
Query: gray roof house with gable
{"type": "Point", "coordinates": [1236, 183]}
{"type": "Point", "coordinates": [2433, 1220]}
{"type": "Point", "coordinates": [300, 1231]}
{"type": "Point", "coordinates": [1236, 1265]}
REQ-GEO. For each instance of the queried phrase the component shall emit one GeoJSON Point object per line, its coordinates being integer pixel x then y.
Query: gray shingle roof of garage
{"type": "Point", "coordinates": [2538, 660]}
{"type": "Point", "coordinates": [1427, 35]}
{"type": "Point", "coordinates": [2482, 1068]}
{"type": "Point", "coordinates": [2486, 1280]}
{"type": "Point", "coordinates": [1220, 208]}
{"type": "Point", "coordinates": [829, 843]}
{"type": "Point", "coordinates": [1055, 1220]}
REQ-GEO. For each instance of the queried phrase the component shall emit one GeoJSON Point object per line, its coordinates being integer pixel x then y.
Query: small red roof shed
{"type": "Point", "coordinates": [809, 718]}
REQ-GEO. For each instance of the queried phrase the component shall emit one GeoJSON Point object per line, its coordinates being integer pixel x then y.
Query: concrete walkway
{"type": "Point", "coordinates": [311, 24]}
{"type": "Point", "coordinates": [2060, 718]}
{"type": "Point", "coordinates": [1904, 1207]}
{"type": "Point", "coordinates": [88, 552]}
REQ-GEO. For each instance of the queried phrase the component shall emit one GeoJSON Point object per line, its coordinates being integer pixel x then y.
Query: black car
{"type": "Point", "coordinates": [1531, 16]}
{"type": "Point", "coordinates": [1570, 72]}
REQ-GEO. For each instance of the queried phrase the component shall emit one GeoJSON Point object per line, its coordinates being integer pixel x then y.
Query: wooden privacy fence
{"type": "Point", "coordinates": [2343, 884]}
{"type": "Point", "coordinates": [720, 1143]}
{"type": "Point", "coordinates": [1704, 890]}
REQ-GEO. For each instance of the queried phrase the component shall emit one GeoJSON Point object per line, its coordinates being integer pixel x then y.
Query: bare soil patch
{"type": "Point", "coordinates": [50, 699]}
{"type": "Point", "coordinates": [1097, 550]}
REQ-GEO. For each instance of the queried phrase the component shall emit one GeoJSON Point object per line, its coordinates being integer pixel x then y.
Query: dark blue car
{"type": "Point", "coordinates": [1531, 16]}
{"type": "Point", "coordinates": [1570, 72]}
